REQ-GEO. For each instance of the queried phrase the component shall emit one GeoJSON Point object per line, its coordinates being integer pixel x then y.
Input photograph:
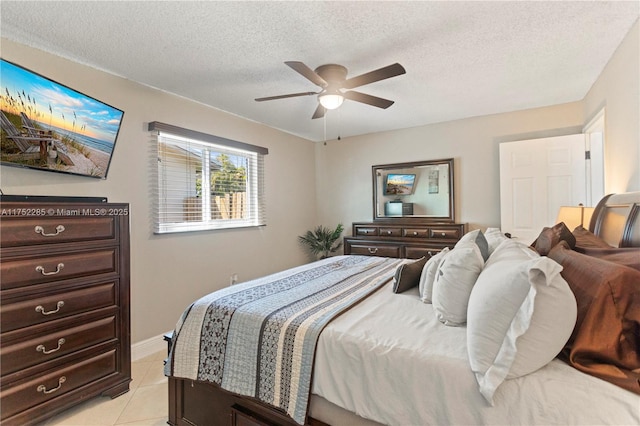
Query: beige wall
{"type": "Point", "coordinates": [618, 90]}
{"type": "Point", "coordinates": [343, 170]}
{"type": "Point", "coordinates": [344, 183]}
{"type": "Point", "coordinates": [170, 271]}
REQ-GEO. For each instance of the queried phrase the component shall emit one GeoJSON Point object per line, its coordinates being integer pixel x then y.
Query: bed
{"type": "Point", "coordinates": [392, 350]}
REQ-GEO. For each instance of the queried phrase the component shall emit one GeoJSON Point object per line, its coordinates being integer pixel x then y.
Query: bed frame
{"type": "Point", "coordinates": [615, 219]}
{"type": "Point", "coordinates": [198, 403]}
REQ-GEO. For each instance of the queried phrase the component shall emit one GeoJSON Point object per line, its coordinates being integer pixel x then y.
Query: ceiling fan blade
{"type": "Point", "coordinates": [307, 73]}
{"type": "Point", "coordinates": [292, 95]}
{"type": "Point", "coordinates": [320, 112]}
{"type": "Point", "coordinates": [373, 76]}
{"type": "Point", "coordinates": [368, 99]}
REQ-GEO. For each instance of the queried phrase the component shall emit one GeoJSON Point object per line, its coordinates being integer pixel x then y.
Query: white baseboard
{"type": "Point", "coordinates": [148, 347]}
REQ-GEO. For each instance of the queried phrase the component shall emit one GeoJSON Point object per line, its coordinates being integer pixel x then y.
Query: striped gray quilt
{"type": "Point", "coordinates": [258, 338]}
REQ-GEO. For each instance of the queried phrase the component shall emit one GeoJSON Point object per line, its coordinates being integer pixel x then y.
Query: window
{"type": "Point", "coordinates": [205, 181]}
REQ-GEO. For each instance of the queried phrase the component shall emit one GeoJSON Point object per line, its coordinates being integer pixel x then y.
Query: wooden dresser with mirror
{"type": "Point", "coordinates": [413, 212]}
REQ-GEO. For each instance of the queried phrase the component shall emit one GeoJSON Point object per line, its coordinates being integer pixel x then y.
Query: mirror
{"type": "Point", "coordinates": [420, 190]}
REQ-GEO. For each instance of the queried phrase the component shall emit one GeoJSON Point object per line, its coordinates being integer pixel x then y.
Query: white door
{"type": "Point", "coordinates": [537, 176]}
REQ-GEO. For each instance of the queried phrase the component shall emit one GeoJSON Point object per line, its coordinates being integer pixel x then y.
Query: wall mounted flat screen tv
{"type": "Point", "coordinates": [49, 126]}
{"type": "Point", "coordinates": [399, 184]}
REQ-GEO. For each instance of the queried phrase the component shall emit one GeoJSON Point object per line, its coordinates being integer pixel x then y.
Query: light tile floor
{"type": "Point", "coordinates": [146, 403]}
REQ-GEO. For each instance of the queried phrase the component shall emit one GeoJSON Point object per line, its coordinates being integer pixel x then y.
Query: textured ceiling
{"type": "Point", "coordinates": [463, 59]}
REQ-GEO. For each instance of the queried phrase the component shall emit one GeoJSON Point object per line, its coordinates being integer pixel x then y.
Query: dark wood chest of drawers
{"type": "Point", "coordinates": [64, 306]}
{"type": "Point", "coordinates": [400, 239]}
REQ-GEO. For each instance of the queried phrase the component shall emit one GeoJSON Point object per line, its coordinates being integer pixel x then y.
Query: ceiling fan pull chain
{"type": "Point", "coordinates": [324, 122]}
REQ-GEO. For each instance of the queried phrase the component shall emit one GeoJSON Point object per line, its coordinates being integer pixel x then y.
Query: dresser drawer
{"type": "Point", "coordinates": [366, 230]}
{"type": "Point", "coordinates": [376, 250]}
{"type": "Point", "coordinates": [411, 252]}
{"type": "Point", "coordinates": [28, 393]}
{"type": "Point", "coordinates": [53, 230]}
{"type": "Point", "coordinates": [415, 232]}
{"type": "Point", "coordinates": [385, 231]}
{"type": "Point", "coordinates": [450, 234]}
{"type": "Point", "coordinates": [35, 350]}
{"type": "Point", "coordinates": [42, 269]}
{"type": "Point", "coordinates": [53, 306]}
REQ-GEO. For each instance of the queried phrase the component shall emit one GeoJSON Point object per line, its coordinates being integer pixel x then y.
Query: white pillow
{"type": "Point", "coordinates": [494, 237]}
{"type": "Point", "coordinates": [429, 275]}
{"type": "Point", "coordinates": [455, 277]}
{"type": "Point", "coordinates": [521, 314]}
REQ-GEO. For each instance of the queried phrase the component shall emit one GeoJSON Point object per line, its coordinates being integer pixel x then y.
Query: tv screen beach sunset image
{"type": "Point", "coordinates": [399, 184]}
{"type": "Point", "coordinates": [48, 126]}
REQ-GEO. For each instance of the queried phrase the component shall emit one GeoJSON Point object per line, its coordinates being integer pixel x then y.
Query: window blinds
{"type": "Point", "coordinates": [204, 185]}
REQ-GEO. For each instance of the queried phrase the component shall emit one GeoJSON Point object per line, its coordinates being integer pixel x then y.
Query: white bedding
{"type": "Point", "coordinates": [390, 360]}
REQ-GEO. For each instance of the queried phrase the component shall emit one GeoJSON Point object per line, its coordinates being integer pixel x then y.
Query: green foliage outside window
{"type": "Point", "coordinates": [228, 179]}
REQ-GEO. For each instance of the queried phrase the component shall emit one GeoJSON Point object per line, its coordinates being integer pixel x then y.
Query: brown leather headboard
{"type": "Point", "coordinates": [615, 219]}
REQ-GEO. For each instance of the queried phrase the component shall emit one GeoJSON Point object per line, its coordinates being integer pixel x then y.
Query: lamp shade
{"type": "Point", "coordinates": [574, 216]}
{"type": "Point", "coordinates": [587, 212]}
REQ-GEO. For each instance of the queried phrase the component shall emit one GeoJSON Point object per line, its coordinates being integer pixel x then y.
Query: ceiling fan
{"type": "Point", "coordinates": [332, 78]}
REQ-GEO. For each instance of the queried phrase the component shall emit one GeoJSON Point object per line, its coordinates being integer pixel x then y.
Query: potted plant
{"type": "Point", "coordinates": [322, 241]}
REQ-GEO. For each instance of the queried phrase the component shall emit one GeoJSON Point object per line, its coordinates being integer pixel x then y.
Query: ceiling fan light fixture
{"type": "Point", "coordinates": [332, 79]}
{"type": "Point", "coordinates": [331, 99]}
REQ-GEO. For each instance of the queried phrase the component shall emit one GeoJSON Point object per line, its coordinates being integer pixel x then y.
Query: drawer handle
{"type": "Point", "coordinates": [444, 234]}
{"type": "Point", "coordinates": [415, 233]}
{"type": "Point", "coordinates": [41, 310]}
{"type": "Point", "coordinates": [366, 231]}
{"type": "Point", "coordinates": [57, 271]}
{"type": "Point", "coordinates": [40, 230]}
{"type": "Point", "coordinates": [373, 250]}
{"type": "Point", "coordinates": [388, 232]}
{"type": "Point", "coordinates": [43, 388]}
{"type": "Point", "coordinates": [44, 350]}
